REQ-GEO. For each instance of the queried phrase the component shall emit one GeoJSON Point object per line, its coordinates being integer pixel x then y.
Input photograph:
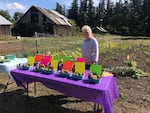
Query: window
{"type": "Point", "coordinates": [34, 18]}
{"type": "Point", "coordinates": [44, 20]}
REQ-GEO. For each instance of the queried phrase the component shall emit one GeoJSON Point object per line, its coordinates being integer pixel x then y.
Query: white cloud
{"type": "Point", "coordinates": [15, 5]}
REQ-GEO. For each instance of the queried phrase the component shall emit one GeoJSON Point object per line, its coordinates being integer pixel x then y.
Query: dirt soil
{"type": "Point", "coordinates": [134, 94]}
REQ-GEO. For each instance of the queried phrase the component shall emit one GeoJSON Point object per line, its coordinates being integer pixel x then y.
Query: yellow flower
{"type": "Point", "coordinates": [128, 57]}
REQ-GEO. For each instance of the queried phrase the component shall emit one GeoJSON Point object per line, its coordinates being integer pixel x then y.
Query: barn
{"type": "Point", "coordinates": [5, 27]}
{"type": "Point", "coordinates": [42, 20]}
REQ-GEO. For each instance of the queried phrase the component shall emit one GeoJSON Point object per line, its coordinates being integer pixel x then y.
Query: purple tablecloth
{"type": "Point", "coordinates": [104, 93]}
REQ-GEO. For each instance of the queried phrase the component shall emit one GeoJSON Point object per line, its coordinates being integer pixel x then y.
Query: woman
{"type": "Point", "coordinates": [89, 49]}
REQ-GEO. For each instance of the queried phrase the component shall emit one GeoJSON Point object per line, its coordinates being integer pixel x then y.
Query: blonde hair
{"type": "Point", "coordinates": [87, 28]}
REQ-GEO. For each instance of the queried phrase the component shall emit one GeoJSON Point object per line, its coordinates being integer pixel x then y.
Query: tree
{"type": "Point", "coordinates": [119, 19]}
{"type": "Point", "coordinates": [102, 11]}
{"type": "Point", "coordinates": [83, 17]}
{"type": "Point", "coordinates": [5, 14]}
{"type": "Point", "coordinates": [108, 13]}
{"type": "Point", "coordinates": [17, 16]}
{"type": "Point", "coordinates": [146, 17]}
{"type": "Point", "coordinates": [145, 8]}
{"type": "Point", "coordinates": [90, 12]}
{"type": "Point", "coordinates": [137, 5]}
{"type": "Point", "coordinates": [59, 8]}
{"type": "Point", "coordinates": [73, 11]}
{"type": "Point", "coordinates": [127, 17]}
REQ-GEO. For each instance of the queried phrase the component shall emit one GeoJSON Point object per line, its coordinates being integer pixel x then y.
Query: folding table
{"type": "Point", "coordinates": [104, 92]}
{"type": "Point", "coordinates": [6, 67]}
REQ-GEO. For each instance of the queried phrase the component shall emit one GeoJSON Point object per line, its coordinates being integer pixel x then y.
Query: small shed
{"type": "Point", "coordinates": [99, 30]}
{"type": "Point", "coordinates": [5, 27]}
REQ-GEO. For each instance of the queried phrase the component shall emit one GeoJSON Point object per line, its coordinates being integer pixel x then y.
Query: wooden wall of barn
{"type": "Point", "coordinates": [5, 31]}
{"type": "Point", "coordinates": [62, 30]}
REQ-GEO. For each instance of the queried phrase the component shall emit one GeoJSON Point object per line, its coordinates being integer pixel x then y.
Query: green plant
{"type": "Point", "coordinates": [131, 63]}
{"type": "Point", "coordinates": [125, 71]}
{"type": "Point", "coordinates": [145, 99]}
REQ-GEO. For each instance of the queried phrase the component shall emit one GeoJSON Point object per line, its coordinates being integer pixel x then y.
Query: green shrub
{"type": "Point", "coordinates": [127, 71]}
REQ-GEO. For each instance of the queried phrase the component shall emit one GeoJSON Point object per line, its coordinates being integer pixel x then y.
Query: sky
{"type": "Point", "coordinates": [13, 6]}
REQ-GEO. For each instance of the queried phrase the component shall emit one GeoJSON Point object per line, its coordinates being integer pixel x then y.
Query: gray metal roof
{"type": "Point", "coordinates": [4, 21]}
{"type": "Point", "coordinates": [61, 18]}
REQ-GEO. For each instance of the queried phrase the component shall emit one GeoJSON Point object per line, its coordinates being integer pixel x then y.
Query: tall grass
{"type": "Point", "coordinates": [72, 44]}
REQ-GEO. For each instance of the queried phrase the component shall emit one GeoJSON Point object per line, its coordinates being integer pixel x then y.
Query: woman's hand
{"type": "Point", "coordinates": [93, 62]}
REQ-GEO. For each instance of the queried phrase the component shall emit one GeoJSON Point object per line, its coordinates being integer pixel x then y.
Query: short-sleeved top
{"type": "Point", "coordinates": [90, 50]}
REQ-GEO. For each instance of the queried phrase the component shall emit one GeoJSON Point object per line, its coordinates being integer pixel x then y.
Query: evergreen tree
{"type": "Point", "coordinates": [109, 12]}
{"type": "Point", "coordinates": [127, 17]}
{"type": "Point", "coordinates": [91, 13]}
{"type": "Point", "coordinates": [6, 15]}
{"type": "Point", "coordinates": [118, 22]}
{"type": "Point", "coordinates": [59, 8]}
{"type": "Point", "coordinates": [83, 17]}
{"type": "Point", "coordinates": [73, 11]}
{"type": "Point", "coordinates": [17, 16]}
{"type": "Point", "coordinates": [146, 17]}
